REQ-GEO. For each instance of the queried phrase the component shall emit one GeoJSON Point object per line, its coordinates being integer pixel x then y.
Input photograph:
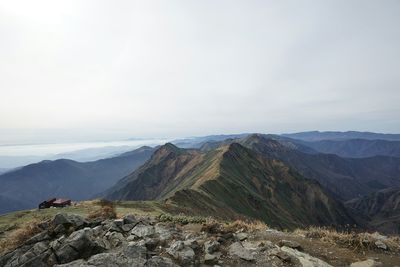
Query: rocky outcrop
{"type": "Point", "coordinates": [305, 259]}
{"type": "Point", "coordinates": [366, 263]}
{"type": "Point", "coordinates": [237, 250]}
{"type": "Point", "coordinates": [72, 241]}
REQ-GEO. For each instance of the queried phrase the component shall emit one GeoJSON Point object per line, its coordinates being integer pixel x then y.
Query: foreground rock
{"type": "Point", "coordinates": [366, 263]}
{"type": "Point", "coordinates": [237, 249]}
{"type": "Point", "coordinates": [290, 244]}
{"type": "Point", "coordinates": [305, 259]}
{"type": "Point", "coordinates": [72, 241]}
{"type": "Point", "coordinates": [69, 220]}
{"type": "Point", "coordinates": [184, 254]}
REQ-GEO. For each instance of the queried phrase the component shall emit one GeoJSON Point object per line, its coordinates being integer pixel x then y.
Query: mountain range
{"type": "Point", "coordinates": [334, 135]}
{"type": "Point", "coordinates": [287, 181]}
{"type": "Point", "coordinates": [231, 180]}
{"type": "Point", "coordinates": [356, 148]}
{"type": "Point", "coordinates": [26, 187]}
{"type": "Point", "coordinates": [341, 144]}
{"type": "Point", "coordinates": [347, 178]}
{"type": "Point", "coordinates": [176, 175]}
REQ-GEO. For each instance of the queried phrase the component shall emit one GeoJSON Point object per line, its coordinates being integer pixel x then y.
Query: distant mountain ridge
{"type": "Point", "coordinates": [346, 178]}
{"type": "Point", "coordinates": [26, 187]}
{"type": "Point", "coordinates": [231, 180]}
{"type": "Point", "coordinates": [332, 135]}
{"type": "Point", "coordinates": [357, 148]}
{"type": "Point", "coordinates": [343, 144]}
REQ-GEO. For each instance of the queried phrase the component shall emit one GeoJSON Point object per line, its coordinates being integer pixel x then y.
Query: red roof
{"type": "Point", "coordinates": [61, 201]}
{"type": "Point", "coordinates": [51, 200]}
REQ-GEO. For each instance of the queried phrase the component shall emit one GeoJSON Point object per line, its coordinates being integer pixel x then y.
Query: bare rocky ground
{"type": "Point", "coordinates": [72, 241]}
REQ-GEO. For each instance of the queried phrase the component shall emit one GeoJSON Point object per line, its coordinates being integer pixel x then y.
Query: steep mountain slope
{"type": "Point", "coordinates": [346, 178]}
{"type": "Point", "coordinates": [357, 148]}
{"type": "Point", "coordinates": [34, 183]}
{"type": "Point", "coordinates": [317, 136]}
{"type": "Point", "coordinates": [380, 210]}
{"type": "Point", "coordinates": [229, 181]}
{"type": "Point", "coordinates": [163, 173]}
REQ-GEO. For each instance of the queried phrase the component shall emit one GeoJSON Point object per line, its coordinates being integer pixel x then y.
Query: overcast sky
{"type": "Point", "coordinates": [92, 70]}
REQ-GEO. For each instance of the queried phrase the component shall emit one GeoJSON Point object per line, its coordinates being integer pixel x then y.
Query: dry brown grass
{"type": "Point", "coordinates": [247, 226]}
{"type": "Point", "coordinates": [214, 226]}
{"type": "Point", "coordinates": [17, 237]}
{"type": "Point", "coordinates": [352, 240]}
{"type": "Point", "coordinates": [106, 211]}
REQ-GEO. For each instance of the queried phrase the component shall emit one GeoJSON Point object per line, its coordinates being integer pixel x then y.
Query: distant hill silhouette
{"type": "Point", "coordinates": [357, 148]}
{"type": "Point", "coordinates": [26, 187]}
{"type": "Point", "coordinates": [317, 136]}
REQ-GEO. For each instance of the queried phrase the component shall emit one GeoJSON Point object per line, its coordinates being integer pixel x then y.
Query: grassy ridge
{"type": "Point", "coordinates": [243, 183]}
{"type": "Point", "coordinates": [228, 182]}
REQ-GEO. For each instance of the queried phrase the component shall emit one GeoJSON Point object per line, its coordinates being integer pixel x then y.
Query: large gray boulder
{"type": "Point", "coordinates": [305, 259]}
{"type": "Point", "coordinates": [135, 251]}
{"type": "Point", "coordinates": [140, 231]}
{"type": "Point", "coordinates": [237, 250]}
{"type": "Point", "coordinates": [114, 239]}
{"type": "Point", "coordinates": [164, 233]}
{"type": "Point", "coordinates": [40, 237]}
{"type": "Point", "coordinates": [80, 244]}
{"type": "Point", "coordinates": [183, 253]}
{"type": "Point", "coordinates": [37, 254]}
{"type": "Point", "coordinates": [68, 220]}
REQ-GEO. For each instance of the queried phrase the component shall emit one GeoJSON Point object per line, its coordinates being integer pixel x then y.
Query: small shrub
{"type": "Point", "coordinates": [19, 236]}
{"type": "Point", "coordinates": [212, 226]}
{"type": "Point", "coordinates": [106, 211]}
{"type": "Point", "coordinates": [181, 219]}
{"type": "Point", "coordinates": [240, 225]}
{"type": "Point", "coordinates": [105, 203]}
